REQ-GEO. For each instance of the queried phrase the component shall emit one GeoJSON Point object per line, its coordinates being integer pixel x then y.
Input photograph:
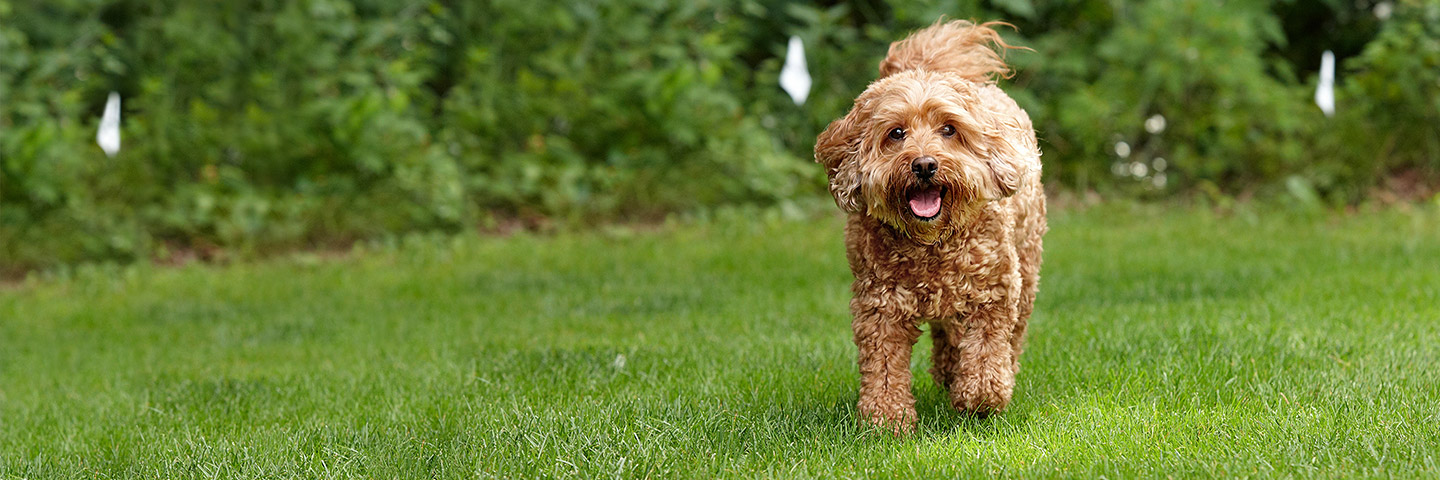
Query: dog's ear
{"type": "Point", "coordinates": [1005, 158]}
{"type": "Point", "coordinates": [838, 149]}
{"type": "Point", "coordinates": [999, 139]}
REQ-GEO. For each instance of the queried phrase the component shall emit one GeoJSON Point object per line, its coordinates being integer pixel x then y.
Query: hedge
{"type": "Point", "coordinates": [275, 124]}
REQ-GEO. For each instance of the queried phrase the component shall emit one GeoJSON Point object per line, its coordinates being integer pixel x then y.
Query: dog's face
{"type": "Point", "coordinates": [919, 152]}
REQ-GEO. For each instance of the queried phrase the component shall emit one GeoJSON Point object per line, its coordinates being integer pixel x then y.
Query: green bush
{"type": "Point", "coordinates": [294, 123]}
{"type": "Point", "coordinates": [1185, 85]}
{"type": "Point", "coordinates": [605, 114]}
{"type": "Point", "coordinates": [1389, 109]}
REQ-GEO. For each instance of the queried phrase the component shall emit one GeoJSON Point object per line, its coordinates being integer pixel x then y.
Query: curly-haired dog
{"type": "Point", "coordinates": [939, 172]}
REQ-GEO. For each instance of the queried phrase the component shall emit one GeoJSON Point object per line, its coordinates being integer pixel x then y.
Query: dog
{"type": "Point", "coordinates": [938, 171]}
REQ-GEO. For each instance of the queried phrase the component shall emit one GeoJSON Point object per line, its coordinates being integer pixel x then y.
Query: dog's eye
{"type": "Point", "coordinates": [897, 133]}
{"type": "Point", "coordinates": [947, 131]}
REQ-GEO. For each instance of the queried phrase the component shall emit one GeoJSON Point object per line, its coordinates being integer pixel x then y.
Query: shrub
{"type": "Point", "coordinates": [255, 125]}
{"type": "Point", "coordinates": [1182, 95]}
{"type": "Point", "coordinates": [1389, 108]}
{"type": "Point", "coordinates": [605, 114]}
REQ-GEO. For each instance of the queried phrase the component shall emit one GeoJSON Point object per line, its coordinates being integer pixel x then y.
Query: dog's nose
{"type": "Point", "coordinates": [924, 167]}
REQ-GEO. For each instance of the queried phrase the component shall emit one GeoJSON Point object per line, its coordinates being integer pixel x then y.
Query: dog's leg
{"type": "Point", "coordinates": [1030, 237]}
{"type": "Point", "coordinates": [1029, 256]}
{"type": "Point", "coordinates": [885, 340]}
{"type": "Point", "coordinates": [1017, 340]}
{"type": "Point", "coordinates": [945, 356]}
{"type": "Point", "coordinates": [984, 375]}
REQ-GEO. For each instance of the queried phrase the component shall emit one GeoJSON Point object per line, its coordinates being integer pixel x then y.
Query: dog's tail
{"type": "Point", "coordinates": [975, 52]}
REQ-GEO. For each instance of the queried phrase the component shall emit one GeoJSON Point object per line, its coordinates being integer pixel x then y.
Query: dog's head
{"type": "Point", "coordinates": [920, 152]}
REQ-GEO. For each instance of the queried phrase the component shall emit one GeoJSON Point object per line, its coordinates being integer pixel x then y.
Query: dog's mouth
{"type": "Point", "coordinates": [925, 202]}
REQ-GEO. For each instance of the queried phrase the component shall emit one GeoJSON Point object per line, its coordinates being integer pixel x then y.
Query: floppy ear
{"type": "Point", "coordinates": [1003, 138]}
{"type": "Point", "coordinates": [1004, 159]}
{"type": "Point", "coordinates": [838, 149]}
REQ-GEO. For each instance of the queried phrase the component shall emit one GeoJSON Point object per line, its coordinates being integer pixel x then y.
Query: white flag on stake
{"type": "Point", "coordinates": [108, 137]}
{"type": "Point", "coordinates": [1325, 92]}
{"type": "Point", "coordinates": [795, 77]}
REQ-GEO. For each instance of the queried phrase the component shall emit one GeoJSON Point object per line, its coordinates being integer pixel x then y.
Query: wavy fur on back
{"type": "Point", "coordinates": [974, 52]}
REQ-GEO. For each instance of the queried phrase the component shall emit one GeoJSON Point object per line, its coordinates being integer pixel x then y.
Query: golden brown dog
{"type": "Point", "coordinates": [939, 172]}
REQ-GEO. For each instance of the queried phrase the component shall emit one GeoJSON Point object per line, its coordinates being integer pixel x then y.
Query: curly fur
{"type": "Point", "coordinates": [970, 271]}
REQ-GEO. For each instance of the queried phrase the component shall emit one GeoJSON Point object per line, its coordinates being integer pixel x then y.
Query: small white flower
{"type": "Point", "coordinates": [1122, 149]}
{"type": "Point", "coordinates": [1138, 169]}
{"type": "Point", "coordinates": [1383, 10]}
{"type": "Point", "coordinates": [1155, 124]}
{"type": "Point", "coordinates": [1160, 164]}
{"type": "Point", "coordinates": [1158, 180]}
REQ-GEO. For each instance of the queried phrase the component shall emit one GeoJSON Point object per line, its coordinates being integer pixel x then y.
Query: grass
{"type": "Point", "coordinates": [1166, 342]}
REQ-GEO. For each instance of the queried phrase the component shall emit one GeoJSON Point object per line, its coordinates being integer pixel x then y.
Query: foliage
{"type": "Point", "coordinates": [1392, 119]}
{"type": "Point", "coordinates": [620, 116]}
{"type": "Point", "coordinates": [256, 125]}
{"type": "Point", "coordinates": [1196, 109]}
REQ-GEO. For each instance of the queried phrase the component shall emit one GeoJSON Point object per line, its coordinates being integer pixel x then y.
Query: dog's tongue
{"type": "Point", "coordinates": [925, 203]}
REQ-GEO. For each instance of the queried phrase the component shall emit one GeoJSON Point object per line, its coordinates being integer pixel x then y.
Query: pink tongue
{"type": "Point", "coordinates": [925, 204]}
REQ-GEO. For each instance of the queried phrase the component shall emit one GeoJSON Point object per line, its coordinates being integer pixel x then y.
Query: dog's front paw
{"type": "Point", "coordinates": [894, 419]}
{"type": "Point", "coordinates": [982, 395]}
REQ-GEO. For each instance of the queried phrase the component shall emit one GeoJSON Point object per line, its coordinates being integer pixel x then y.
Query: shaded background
{"type": "Point", "coordinates": [255, 125]}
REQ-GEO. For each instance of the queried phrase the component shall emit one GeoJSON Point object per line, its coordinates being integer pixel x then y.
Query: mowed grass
{"type": "Point", "coordinates": [1166, 342]}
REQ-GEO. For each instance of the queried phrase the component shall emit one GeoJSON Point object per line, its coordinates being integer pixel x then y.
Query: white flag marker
{"type": "Point", "coordinates": [795, 77]}
{"type": "Point", "coordinates": [1325, 92]}
{"type": "Point", "coordinates": [108, 137]}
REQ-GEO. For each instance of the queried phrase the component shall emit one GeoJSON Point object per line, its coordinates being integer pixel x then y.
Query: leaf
{"type": "Point", "coordinates": [1020, 8]}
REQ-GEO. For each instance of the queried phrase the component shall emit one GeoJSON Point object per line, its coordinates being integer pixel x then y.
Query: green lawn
{"type": "Point", "coordinates": [1165, 342]}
